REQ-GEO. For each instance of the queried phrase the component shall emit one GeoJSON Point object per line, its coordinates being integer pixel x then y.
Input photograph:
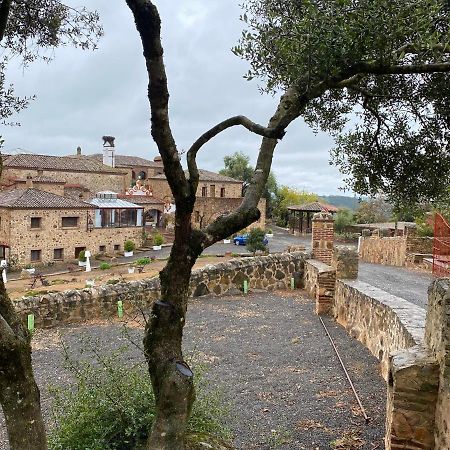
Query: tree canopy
{"type": "Point", "coordinates": [31, 30]}
{"type": "Point", "coordinates": [378, 67]}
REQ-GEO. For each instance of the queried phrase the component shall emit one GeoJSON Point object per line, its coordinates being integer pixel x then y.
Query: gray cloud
{"type": "Point", "coordinates": [84, 95]}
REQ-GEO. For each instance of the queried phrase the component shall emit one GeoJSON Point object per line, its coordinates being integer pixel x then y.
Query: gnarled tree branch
{"type": "Point", "coordinates": [271, 133]}
{"type": "Point", "coordinates": [148, 24]}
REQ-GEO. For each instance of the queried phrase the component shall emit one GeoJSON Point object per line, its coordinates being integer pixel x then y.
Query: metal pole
{"type": "Point", "coordinates": [366, 417]}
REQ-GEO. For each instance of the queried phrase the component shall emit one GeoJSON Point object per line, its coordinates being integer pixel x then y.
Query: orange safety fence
{"type": "Point", "coordinates": [441, 247]}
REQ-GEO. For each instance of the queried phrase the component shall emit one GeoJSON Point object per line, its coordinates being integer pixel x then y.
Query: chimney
{"type": "Point", "coordinates": [29, 183]}
{"type": "Point", "coordinates": [78, 151]}
{"type": "Point", "coordinates": [109, 157]}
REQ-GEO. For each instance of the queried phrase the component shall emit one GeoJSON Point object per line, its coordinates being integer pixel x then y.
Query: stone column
{"type": "Point", "coordinates": [345, 261]}
{"type": "Point", "coordinates": [323, 237]}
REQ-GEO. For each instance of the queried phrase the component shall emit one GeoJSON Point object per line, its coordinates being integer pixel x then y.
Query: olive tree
{"type": "Point", "coordinates": [385, 61]}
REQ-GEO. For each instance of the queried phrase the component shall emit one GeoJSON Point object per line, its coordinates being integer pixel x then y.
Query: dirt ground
{"type": "Point", "coordinates": [77, 279]}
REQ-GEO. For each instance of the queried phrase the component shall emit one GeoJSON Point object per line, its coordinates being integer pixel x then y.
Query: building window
{"type": "Point", "coordinates": [213, 190]}
{"type": "Point", "coordinates": [102, 249]}
{"type": "Point", "coordinates": [58, 254]}
{"type": "Point", "coordinates": [204, 191]}
{"type": "Point", "coordinates": [36, 222]}
{"type": "Point", "coordinates": [197, 216]}
{"type": "Point", "coordinates": [35, 255]}
{"type": "Point", "coordinates": [222, 192]}
{"type": "Point", "coordinates": [116, 218]}
{"type": "Point", "coordinates": [117, 247]}
{"type": "Point", "coordinates": [78, 250]}
{"type": "Point", "coordinates": [70, 222]}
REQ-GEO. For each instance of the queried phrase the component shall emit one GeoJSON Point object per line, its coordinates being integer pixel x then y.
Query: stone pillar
{"type": "Point", "coordinates": [437, 340]}
{"type": "Point", "coordinates": [411, 401]}
{"type": "Point", "coordinates": [345, 261]}
{"type": "Point", "coordinates": [323, 237]}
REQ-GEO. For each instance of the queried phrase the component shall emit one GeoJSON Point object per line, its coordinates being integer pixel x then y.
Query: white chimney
{"type": "Point", "coordinates": [109, 157]}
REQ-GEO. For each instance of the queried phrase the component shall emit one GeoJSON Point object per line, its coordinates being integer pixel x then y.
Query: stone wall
{"type": "Point", "coordinates": [116, 180]}
{"type": "Point", "coordinates": [393, 251]}
{"type": "Point", "coordinates": [437, 339]}
{"type": "Point", "coordinates": [413, 347]}
{"type": "Point", "coordinates": [383, 322]}
{"type": "Point", "coordinates": [264, 272]}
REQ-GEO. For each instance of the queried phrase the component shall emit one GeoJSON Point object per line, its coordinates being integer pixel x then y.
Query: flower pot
{"type": "Point", "coordinates": [82, 263]}
{"type": "Point", "coordinates": [127, 254]}
{"type": "Point", "coordinates": [227, 241]}
{"type": "Point", "coordinates": [156, 247]}
{"type": "Point", "coordinates": [269, 235]}
{"type": "Point", "coordinates": [131, 269]}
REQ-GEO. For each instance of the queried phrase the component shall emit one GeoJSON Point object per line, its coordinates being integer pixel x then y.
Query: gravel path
{"type": "Point", "coordinates": [271, 355]}
{"type": "Point", "coordinates": [405, 283]}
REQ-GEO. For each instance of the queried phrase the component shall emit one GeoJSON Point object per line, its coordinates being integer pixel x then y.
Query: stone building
{"type": "Point", "coordinates": [80, 173]}
{"type": "Point", "coordinates": [37, 226]}
{"type": "Point", "coordinates": [216, 195]}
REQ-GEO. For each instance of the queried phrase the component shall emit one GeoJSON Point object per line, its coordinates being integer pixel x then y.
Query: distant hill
{"type": "Point", "coordinates": [341, 201]}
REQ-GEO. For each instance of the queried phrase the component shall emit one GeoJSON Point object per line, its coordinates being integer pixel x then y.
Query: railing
{"type": "Point", "coordinates": [441, 247]}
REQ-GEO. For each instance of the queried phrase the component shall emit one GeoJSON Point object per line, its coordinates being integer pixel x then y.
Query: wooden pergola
{"type": "Point", "coordinates": [300, 216]}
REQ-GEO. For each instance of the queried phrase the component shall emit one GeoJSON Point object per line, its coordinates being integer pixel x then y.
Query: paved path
{"type": "Point", "coordinates": [408, 284]}
{"type": "Point", "coordinates": [270, 355]}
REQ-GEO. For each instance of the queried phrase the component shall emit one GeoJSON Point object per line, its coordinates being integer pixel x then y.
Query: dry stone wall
{"type": "Point", "coordinates": [264, 272]}
{"type": "Point", "coordinates": [437, 338]}
{"type": "Point", "coordinates": [394, 251]}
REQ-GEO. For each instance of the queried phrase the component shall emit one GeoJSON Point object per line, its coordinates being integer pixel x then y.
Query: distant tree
{"type": "Point", "coordinates": [342, 219]}
{"type": "Point", "coordinates": [238, 166]}
{"type": "Point", "coordinates": [287, 196]}
{"type": "Point", "coordinates": [374, 211]}
{"type": "Point", "coordinates": [255, 240]}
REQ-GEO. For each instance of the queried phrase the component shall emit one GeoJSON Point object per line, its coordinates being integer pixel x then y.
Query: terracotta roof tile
{"type": "Point", "coordinates": [48, 162]}
{"type": "Point", "coordinates": [314, 207]}
{"type": "Point", "coordinates": [37, 199]}
{"type": "Point", "coordinates": [127, 161]}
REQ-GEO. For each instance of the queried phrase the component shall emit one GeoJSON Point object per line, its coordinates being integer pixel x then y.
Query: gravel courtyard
{"type": "Point", "coordinates": [271, 356]}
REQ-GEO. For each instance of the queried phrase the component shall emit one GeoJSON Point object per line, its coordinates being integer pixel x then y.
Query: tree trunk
{"type": "Point", "coordinates": [172, 378]}
{"type": "Point", "coordinates": [19, 394]}
{"type": "Point", "coordinates": [20, 400]}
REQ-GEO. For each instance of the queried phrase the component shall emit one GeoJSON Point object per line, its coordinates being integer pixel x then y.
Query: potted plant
{"type": "Point", "coordinates": [128, 248]}
{"type": "Point", "coordinates": [158, 240]}
{"type": "Point", "coordinates": [269, 232]}
{"type": "Point", "coordinates": [82, 259]}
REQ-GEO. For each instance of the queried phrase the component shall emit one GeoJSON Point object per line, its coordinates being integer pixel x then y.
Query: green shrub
{"type": "Point", "coordinates": [143, 261]}
{"type": "Point", "coordinates": [105, 266]}
{"type": "Point", "coordinates": [81, 256]}
{"type": "Point", "coordinates": [343, 219]}
{"type": "Point", "coordinates": [129, 246]}
{"type": "Point", "coordinates": [110, 406]}
{"type": "Point", "coordinates": [269, 231]}
{"type": "Point", "coordinates": [255, 240]}
{"type": "Point", "coordinates": [158, 239]}
{"type": "Point", "coordinates": [113, 281]}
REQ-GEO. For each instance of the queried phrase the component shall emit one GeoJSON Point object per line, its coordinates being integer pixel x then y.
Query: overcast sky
{"type": "Point", "coordinates": [82, 96]}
